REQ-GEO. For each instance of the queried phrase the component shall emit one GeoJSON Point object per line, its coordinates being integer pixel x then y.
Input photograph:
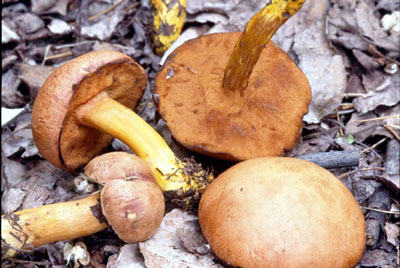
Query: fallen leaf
{"type": "Point", "coordinates": [28, 23]}
{"type": "Point", "coordinates": [59, 27]}
{"type": "Point", "coordinates": [377, 258]}
{"type": "Point", "coordinates": [165, 247]}
{"type": "Point", "coordinates": [129, 257]}
{"type": "Point", "coordinates": [10, 96]}
{"type": "Point", "coordinates": [8, 32]}
{"type": "Point", "coordinates": [392, 233]}
{"type": "Point", "coordinates": [34, 76]}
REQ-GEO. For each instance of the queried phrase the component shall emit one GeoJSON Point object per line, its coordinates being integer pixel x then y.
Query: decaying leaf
{"type": "Point", "coordinates": [34, 76]}
{"type": "Point", "coordinates": [166, 248]}
{"type": "Point", "coordinates": [392, 233]}
{"type": "Point", "coordinates": [10, 96]}
{"type": "Point", "coordinates": [129, 257]}
{"type": "Point", "coordinates": [381, 89]}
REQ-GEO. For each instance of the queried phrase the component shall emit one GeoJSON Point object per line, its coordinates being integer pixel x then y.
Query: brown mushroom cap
{"type": "Point", "coordinates": [60, 138]}
{"type": "Point", "coordinates": [283, 212]}
{"type": "Point", "coordinates": [131, 201]}
{"type": "Point", "coordinates": [118, 165]}
{"type": "Point", "coordinates": [207, 119]}
{"type": "Point", "coordinates": [133, 208]}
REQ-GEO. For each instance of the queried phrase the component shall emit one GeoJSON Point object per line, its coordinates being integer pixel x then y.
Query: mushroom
{"type": "Point", "coordinates": [86, 102]}
{"type": "Point", "coordinates": [284, 212]}
{"type": "Point", "coordinates": [131, 202]}
{"type": "Point", "coordinates": [213, 106]}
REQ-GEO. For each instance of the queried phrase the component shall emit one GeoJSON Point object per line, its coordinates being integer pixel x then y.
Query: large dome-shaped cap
{"type": "Point", "coordinates": [60, 138]}
{"type": "Point", "coordinates": [282, 212]}
{"type": "Point", "coordinates": [265, 121]}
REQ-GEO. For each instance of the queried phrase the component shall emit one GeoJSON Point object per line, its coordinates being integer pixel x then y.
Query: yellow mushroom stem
{"type": "Point", "coordinates": [258, 32]}
{"type": "Point", "coordinates": [168, 20]}
{"type": "Point", "coordinates": [35, 227]}
{"type": "Point", "coordinates": [172, 175]}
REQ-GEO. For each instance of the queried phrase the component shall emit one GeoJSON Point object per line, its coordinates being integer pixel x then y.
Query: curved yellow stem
{"type": "Point", "coordinates": [257, 34]}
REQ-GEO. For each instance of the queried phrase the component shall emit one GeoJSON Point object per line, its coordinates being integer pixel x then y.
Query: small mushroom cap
{"type": "Point", "coordinates": [118, 165]}
{"type": "Point", "coordinates": [60, 138]}
{"type": "Point", "coordinates": [284, 212]}
{"type": "Point", "coordinates": [207, 119]}
{"type": "Point", "coordinates": [133, 208]}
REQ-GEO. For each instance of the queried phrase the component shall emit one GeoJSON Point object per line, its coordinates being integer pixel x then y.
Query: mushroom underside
{"type": "Point", "coordinates": [202, 116]}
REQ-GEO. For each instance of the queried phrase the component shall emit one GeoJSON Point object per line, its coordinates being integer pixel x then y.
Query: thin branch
{"type": "Point", "coordinates": [105, 11]}
{"type": "Point", "coordinates": [361, 169]}
{"type": "Point", "coordinates": [392, 132]}
{"type": "Point", "coordinates": [383, 211]}
{"type": "Point", "coordinates": [374, 146]}
{"type": "Point", "coordinates": [378, 118]}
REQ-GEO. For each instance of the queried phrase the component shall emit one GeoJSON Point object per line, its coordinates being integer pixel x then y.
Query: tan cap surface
{"type": "Point", "coordinates": [57, 134]}
{"type": "Point", "coordinates": [204, 117]}
{"type": "Point", "coordinates": [282, 212]}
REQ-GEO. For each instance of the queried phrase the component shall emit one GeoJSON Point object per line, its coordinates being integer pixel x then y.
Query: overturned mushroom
{"type": "Point", "coordinates": [131, 201]}
{"type": "Point", "coordinates": [282, 212]}
{"type": "Point", "coordinates": [225, 105]}
{"type": "Point", "coordinates": [86, 102]}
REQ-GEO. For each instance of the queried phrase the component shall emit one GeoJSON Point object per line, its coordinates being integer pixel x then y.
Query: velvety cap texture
{"type": "Point", "coordinates": [282, 212]}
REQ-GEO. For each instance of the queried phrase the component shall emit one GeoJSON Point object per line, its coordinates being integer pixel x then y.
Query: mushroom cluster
{"type": "Point", "coordinates": [87, 102]}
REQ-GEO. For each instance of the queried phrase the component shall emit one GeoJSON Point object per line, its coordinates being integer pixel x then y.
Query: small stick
{"type": "Point", "coordinates": [74, 44]}
{"type": "Point", "coordinates": [333, 159]}
{"type": "Point", "coordinates": [383, 211]}
{"type": "Point", "coordinates": [374, 146]}
{"type": "Point", "coordinates": [378, 118]}
{"type": "Point", "coordinates": [392, 131]}
{"type": "Point", "coordinates": [52, 57]}
{"type": "Point", "coordinates": [393, 126]}
{"type": "Point", "coordinates": [105, 11]}
{"type": "Point", "coordinates": [361, 169]}
{"type": "Point", "coordinates": [355, 95]}
{"type": "Point", "coordinates": [340, 127]}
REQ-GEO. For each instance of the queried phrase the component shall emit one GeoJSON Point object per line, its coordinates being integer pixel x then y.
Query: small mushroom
{"type": "Point", "coordinates": [284, 212]}
{"type": "Point", "coordinates": [225, 105]}
{"type": "Point", "coordinates": [86, 102]}
{"type": "Point", "coordinates": [131, 201]}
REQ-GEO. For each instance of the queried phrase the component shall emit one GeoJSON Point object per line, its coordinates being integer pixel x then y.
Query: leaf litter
{"type": "Point", "coordinates": [348, 54]}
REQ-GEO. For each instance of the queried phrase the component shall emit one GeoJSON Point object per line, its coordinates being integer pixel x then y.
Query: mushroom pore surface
{"type": "Point", "coordinates": [282, 212]}
{"type": "Point", "coordinates": [59, 136]}
{"type": "Point", "coordinates": [222, 123]}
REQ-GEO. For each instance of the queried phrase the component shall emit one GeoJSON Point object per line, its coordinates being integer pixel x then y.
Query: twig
{"type": "Point", "coordinates": [374, 146]}
{"type": "Point", "coordinates": [393, 126]}
{"type": "Point", "coordinates": [361, 169]}
{"type": "Point", "coordinates": [333, 159]}
{"type": "Point", "coordinates": [30, 262]}
{"type": "Point", "coordinates": [355, 95]}
{"type": "Point", "coordinates": [132, 6]}
{"type": "Point", "coordinates": [105, 11]}
{"type": "Point", "coordinates": [57, 56]}
{"type": "Point", "coordinates": [74, 44]}
{"type": "Point", "coordinates": [392, 132]}
{"type": "Point", "coordinates": [378, 118]}
{"type": "Point", "coordinates": [340, 126]}
{"type": "Point", "coordinates": [383, 211]}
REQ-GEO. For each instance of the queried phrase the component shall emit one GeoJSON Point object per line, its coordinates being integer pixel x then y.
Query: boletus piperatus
{"type": "Point", "coordinates": [87, 101]}
{"type": "Point", "coordinates": [131, 202]}
{"type": "Point", "coordinates": [225, 105]}
{"type": "Point", "coordinates": [282, 212]}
